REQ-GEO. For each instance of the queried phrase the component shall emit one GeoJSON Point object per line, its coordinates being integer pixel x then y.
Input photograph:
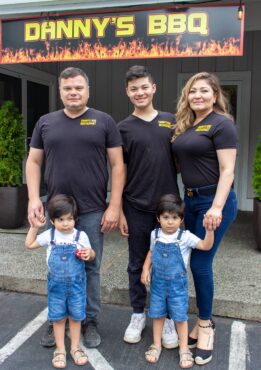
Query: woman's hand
{"type": "Point", "coordinates": [212, 218]}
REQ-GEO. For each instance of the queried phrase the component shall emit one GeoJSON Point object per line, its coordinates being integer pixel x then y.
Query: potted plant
{"type": "Point", "coordinates": [13, 193]}
{"type": "Point", "coordinates": [256, 182]}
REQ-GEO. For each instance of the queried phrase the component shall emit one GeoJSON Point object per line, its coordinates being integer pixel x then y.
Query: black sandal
{"type": "Point", "coordinates": [204, 356]}
{"type": "Point", "coordinates": [192, 342]}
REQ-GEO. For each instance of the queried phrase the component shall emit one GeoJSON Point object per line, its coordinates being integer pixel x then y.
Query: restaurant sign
{"type": "Point", "coordinates": [170, 32]}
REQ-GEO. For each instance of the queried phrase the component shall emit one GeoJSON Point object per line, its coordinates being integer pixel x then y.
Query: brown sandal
{"type": "Point", "coordinates": [78, 354]}
{"type": "Point", "coordinates": [186, 356]}
{"type": "Point", "coordinates": [59, 356]}
{"type": "Point", "coordinates": [154, 352]}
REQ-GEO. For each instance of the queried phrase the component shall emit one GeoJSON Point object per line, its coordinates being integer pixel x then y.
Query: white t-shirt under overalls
{"type": "Point", "coordinates": [44, 239]}
{"type": "Point", "coordinates": [187, 241]}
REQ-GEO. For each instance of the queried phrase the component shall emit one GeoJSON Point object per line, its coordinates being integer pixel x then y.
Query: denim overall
{"type": "Point", "coordinates": [66, 282]}
{"type": "Point", "coordinates": [169, 285]}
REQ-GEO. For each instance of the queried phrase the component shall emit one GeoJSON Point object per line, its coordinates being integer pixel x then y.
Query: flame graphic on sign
{"type": "Point", "coordinates": [124, 50]}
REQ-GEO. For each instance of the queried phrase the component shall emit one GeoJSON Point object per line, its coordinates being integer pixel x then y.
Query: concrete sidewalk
{"type": "Point", "coordinates": [237, 270]}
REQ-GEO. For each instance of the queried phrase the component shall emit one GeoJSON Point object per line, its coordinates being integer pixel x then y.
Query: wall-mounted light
{"type": "Point", "coordinates": [240, 11]}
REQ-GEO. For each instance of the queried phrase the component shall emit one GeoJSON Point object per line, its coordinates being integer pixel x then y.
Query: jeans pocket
{"type": "Point", "coordinates": [184, 281]}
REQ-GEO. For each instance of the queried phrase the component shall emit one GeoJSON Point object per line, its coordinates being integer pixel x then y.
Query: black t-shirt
{"type": "Point", "coordinates": [76, 156]}
{"type": "Point", "coordinates": [196, 149]}
{"type": "Point", "coordinates": [147, 153]}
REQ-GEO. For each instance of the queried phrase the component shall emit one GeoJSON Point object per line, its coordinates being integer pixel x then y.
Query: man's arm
{"type": "Point", "coordinates": [111, 216]}
{"type": "Point", "coordinates": [123, 225]}
{"type": "Point", "coordinates": [33, 178]}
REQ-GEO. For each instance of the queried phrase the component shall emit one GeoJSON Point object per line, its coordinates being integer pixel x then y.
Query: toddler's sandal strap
{"type": "Point", "coordinates": [153, 354]}
{"type": "Point", "coordinates": [79, 356]}
{"type": "Point", "coordinates": [186, 360]}
{"type": "Point", "coordinates": [59, 359]}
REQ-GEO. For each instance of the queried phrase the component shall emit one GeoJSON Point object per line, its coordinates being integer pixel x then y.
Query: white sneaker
{"type": "Point", "coordinates": [135, 328]}
{"type": "Point", "coordinates": [169, 335]}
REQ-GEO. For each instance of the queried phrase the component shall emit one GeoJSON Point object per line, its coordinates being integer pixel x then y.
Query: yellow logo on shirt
{"type": "Point", "coordinates": [164, 124]}
{"type": "Point", "coordinates": [203, 128]}
{"type": "Point", "coordinates": [88, 122]}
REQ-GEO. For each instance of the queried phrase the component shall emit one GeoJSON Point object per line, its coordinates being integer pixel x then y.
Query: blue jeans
{"type": "Point", "coordinates": [91, 224]}
{"type": "Point", "coordinates": [201, 261]}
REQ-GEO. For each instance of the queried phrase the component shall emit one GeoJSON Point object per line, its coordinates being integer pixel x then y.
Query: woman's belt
{"type": "Point", "coordinates": [204, 190]}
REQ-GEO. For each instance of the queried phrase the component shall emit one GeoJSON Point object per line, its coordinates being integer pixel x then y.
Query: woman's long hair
{"type": "Point", "coordinates": [185, 116]}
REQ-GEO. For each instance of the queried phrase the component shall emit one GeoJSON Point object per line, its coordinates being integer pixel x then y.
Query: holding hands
{"type": "Point", "coordinates": [35, 212]}
{"type": "Point", "coordinates": [212, 219]}
{"type": "Point", "coordinates": [39, 221]}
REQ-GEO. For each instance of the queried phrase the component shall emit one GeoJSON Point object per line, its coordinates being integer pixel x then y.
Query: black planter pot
{"type": "Point", "coordinates": [257, 222]}
{"type": "Point", "coordinates": [13, 206]}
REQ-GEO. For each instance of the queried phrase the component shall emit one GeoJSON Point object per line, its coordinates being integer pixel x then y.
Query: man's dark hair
{"type": "Point", "coordinates": [137, 72]}
{"type": "Point", "coordinates": [60, 205]}
{"type": "Point", "coordinates": [71, 72]}
{"type": "Point", "coordinates": [171, 203]}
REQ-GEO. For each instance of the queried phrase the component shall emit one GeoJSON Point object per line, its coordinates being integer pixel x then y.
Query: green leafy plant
{"type": "Point", "coordinates": [12, 145]}
{"type": "Point", "coordinates": [256, 179]}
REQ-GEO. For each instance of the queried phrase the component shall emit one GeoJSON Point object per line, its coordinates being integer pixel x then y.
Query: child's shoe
{"type": "Point", "coordinates": [59, 359]}
{"type": "Point", "coordinates": [79, 356]}
{"type": "Point", "coordinates": [186, 360]}
{"type": "Point", "coordinates": [153, 354]}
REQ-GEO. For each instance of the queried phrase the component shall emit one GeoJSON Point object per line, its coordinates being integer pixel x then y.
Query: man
{"type": "Point", "coordinates": [151, 173]}
{"type": "Point", "coordinates": [75, 143]}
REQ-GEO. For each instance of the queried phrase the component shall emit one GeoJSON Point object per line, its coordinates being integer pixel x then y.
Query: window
{"type": "Point", "coordinates": [11, 89]}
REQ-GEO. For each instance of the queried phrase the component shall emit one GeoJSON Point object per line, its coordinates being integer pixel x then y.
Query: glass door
{"type": "Point", "coordinates": [37, 105]}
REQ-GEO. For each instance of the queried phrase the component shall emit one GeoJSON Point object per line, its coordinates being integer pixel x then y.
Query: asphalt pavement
{"type": "Point", "coordinates": [23, 321]}
{"type": "Point", "coordinates": [236, 270]}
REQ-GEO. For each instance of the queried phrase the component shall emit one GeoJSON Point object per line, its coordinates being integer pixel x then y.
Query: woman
{"type": "Point", "coordinates": [205, 145]}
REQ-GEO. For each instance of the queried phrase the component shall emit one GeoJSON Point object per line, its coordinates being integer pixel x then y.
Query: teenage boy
{"type": "Point", "coordinates": [151, 173]}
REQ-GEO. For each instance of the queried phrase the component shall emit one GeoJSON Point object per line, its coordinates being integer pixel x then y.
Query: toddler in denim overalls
{"type": "Point", "coordinates": [67, 251]}
{"type": "Point", "coordinates": [168, 258]}
{"type": "Point", "coordinates": [66, 278]}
